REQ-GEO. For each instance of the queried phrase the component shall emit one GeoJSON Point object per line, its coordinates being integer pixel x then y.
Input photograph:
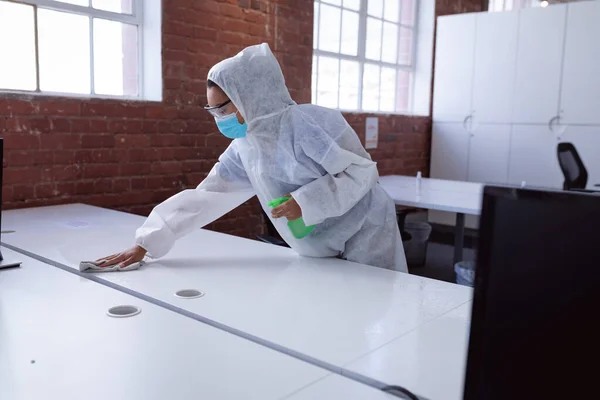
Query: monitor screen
{"type": "Point", "coordinates": [535, 330]}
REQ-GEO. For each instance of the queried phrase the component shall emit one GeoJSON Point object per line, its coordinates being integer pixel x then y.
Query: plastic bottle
{"type": "Point", "coordinates": [297, 227]}
{"type": "Point", "coordinates": [419, 182]}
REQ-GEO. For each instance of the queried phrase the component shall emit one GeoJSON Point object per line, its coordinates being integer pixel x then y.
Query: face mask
{"type": "Point", "coordinates": [230, 127]}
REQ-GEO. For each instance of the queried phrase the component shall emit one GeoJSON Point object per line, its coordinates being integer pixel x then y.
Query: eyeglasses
{"type": "Point", "coordinates": [220, 110]}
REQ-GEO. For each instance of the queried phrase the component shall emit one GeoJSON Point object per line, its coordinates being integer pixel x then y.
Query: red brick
{"type": "Point", "coordinates": [231, 10]}
{"type": "Point", "coordinates": [86, 187]}
{"type": "Point", "coordinates": [121, 185]}
{"type": "Point", "coordinates": [172, 167]}
{"type": "Point", "coordinates": [44, 190]}
{"type": "Point", "coordinates": [100, 171]}
{"type": "Point", "coordinates": [99, 125]}
{"type": "Point", "coordinates": [50, 107]}
{"type": "Point", "coordinates": [125, 126]}
{"type": "Point", "coordinates": [23, 192]}
{"type": "Point", "coordinates": [127, 140]}
{"type": "Point", "coordinates": [138, 183]}
{"type": "Point", "coordinates": [61, 173]}
{"type": "Point", "coordinates": [19, 107]}
{"type": "Point", "coordinates": [161, 112]}
{"type": "Point", "coordinates": [103, 185]}
{"type": "Point", "coordinates": [21, 175]}
{"type": "Point", "coordinates": [17, 124]}
{"type": "Point", "coordinates": [61, 157]}
{"type": "Point", "coordinates": [135, 169]}
{"type": "Point", "coordinates": [59, 141]}
{"type": "Point", "coordinates": [40, 125]}
{"type": "Point", "coordinates": [80, 126]}
{"type": "Point", "coordinates": [7, 194]}
{"type": "Point", "coordinates": [97, 141]}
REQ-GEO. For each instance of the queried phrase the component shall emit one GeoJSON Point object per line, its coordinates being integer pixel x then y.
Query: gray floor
{"type": "Point", "coordinates": [439, 262]}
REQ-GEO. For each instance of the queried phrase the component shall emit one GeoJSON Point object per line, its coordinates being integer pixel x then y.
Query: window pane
{"type": "Point", "coordinates": [17, 47]}
{"type": "Point", "coordinates": [313, 86]}
{"type": "Point", "coordinates": [329, 28]}
{"type": "Point", "coordinates": [388, 88]}
{"type": "Point", "coordinates": [349, 33]}
{"type": "Point", "coordinates": [336, 2]}
{"type": "Point", "coordinates": [352, 4]}
{"type": "Point", "coordinates": [327, 95]}
{"type": "Point", "coordinates": [373, 50]}
{"type": "Point", "coordinates": [85, 3]}
{"type": "Point", "coordinates": [407, 15]}
{"type": "Point", "coordinates": [64, 52]}
{"type": "Point", "coordinates": [402, 91]}
{"type": "Point", "coordinates": [370, 90]}
{"type": "Point", "coordinates": [316, 26]}
{"type": "Point", "coordinates": [392, 9]}
{"type": "Point", "coordinates": [118, 6]}
{"type": "Point", "coordinates": [115, 58]}
{"type": "Point", "coordinates": [390, 42]}
{"type": "Point", "coordinates": [375, 8]}
{"type": "Point", "coordinates": [405, 52]}
{"type": "Point", "coordinates": [349, 79]}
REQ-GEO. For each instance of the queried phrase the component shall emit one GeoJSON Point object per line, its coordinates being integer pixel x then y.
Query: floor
{"type": "Point", "coordinates": [439, 262]}
{"type": "Point", "coordinates": [440, 251]}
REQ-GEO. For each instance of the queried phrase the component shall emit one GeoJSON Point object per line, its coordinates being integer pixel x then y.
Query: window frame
{"type": "Point", "coordinates": [363, 15]}
{"type": "Point", "coordinates": [136, 18]}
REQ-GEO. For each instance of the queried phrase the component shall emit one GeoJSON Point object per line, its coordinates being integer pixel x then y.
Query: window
{"type": "Point", "coordinates": [364, 54]}
{"type": "Point", "coordinates": [74, 47]}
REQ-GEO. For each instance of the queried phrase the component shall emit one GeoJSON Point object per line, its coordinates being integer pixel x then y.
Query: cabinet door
{"type": "Point", "coordinates": [449, 151]}
{"type": "Point", "coordinates": [494, 73]}
{"type": "Point", "coordinates": [586, 140]}
{"type": "Point", "coordinates": [580, 97]}
{"type": "Point", "coordinates": [533, 157]}
{"type": "Point", "coordinates": [539, 64]}
{"type": "Point", "coordinates": [453, 67]}
{"type": "Point", "coordinates": [488, 154]}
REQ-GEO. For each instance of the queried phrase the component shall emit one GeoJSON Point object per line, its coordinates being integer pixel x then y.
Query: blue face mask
{"type": "Point", "coordinates": [230, 127]}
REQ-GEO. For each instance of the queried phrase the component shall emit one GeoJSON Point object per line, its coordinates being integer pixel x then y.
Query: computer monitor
{"type": "Point", "coordinates": [535, 329]}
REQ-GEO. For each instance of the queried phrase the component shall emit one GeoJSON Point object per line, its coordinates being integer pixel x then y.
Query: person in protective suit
{"type": "Point", "coordinates": [281, 148]}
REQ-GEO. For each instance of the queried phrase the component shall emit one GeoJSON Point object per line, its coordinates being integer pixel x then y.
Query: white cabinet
{"type": "Point", "coordinates": [488, 154]}
{"type": "Point", "coordinates": [494, 66]}
{"type": "Point", "coordinates": [580, 97]}
{"type": "Point", "coordinates": [449, 151]}
{"type": "Point", "coordinates": [454, 67]}
{"type": "Point", "coordinates": [586, 140]}
{"type": "Point", "coordinates": [533, 157]}
{"type": "Point", "coordinates": [538, 64]}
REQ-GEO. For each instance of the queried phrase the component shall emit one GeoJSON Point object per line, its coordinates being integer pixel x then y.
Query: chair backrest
{"type": "Point", "coordinates": [572, 167]}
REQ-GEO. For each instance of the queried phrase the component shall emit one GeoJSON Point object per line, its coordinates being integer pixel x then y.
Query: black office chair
{"type": "Point", "coordinates": [572, 167]}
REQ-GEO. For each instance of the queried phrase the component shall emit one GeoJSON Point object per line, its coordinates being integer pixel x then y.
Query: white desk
{"type": "Point", "coordinates": [336, 387]}
{"type": "Point", "coordinates": [58, 343]}
{"type": "Point", "coordinates": [436, 194]}
{"type": "Point", "coordinates": [332, 310]}
{"type": "Point", "coordinates": [431, 359]}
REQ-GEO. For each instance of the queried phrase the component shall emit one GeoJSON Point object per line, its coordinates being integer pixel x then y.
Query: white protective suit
{"type": "Point", "coordinates": [306, 150]}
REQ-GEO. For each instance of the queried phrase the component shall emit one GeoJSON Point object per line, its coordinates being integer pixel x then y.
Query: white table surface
{"type": "Point", "coordinates": [335, 387]}
{"type": "Point", "coordinates": [430, 361]}
{"type": "Point", "coordinates": [58, 343]}
{"type": "Point", "coordinates": [329, 309]}
{"type": "Point", "coordinates": [435, 194]}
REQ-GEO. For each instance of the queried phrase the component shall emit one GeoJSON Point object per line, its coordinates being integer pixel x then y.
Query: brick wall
{"type": "Point", "coordinates": [132, 155]}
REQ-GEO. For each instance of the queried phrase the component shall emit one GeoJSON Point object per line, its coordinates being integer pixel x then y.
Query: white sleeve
{"type": "Point", "coordinates": [349, 176]}
{"type": "Point", "coordinates": [225, 188]}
